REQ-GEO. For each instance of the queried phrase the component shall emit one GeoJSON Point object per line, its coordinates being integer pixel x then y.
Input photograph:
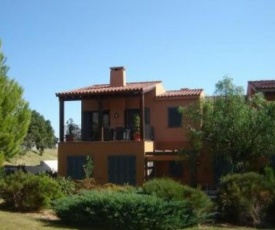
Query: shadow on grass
{"type": "Point", "coordinates": [63, 225]}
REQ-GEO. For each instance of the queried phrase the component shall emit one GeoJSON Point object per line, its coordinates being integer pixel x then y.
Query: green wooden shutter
{"type": "Point", "coordinates": [75, 167]}
{"type": "Point", "coordinates": [122, 169]}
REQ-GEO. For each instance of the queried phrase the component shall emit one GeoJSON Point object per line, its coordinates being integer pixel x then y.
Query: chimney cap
{"type": "Point", "coordinates": [117, 68]}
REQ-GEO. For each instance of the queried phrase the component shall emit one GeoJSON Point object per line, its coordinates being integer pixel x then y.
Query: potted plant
{"type": "Point", "coordinates": [137, 127]}
{"type": "Point", "coordinates": [71, 127]}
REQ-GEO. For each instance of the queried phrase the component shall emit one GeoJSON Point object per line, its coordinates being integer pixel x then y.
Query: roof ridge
{"type": "Point", "coordinates": [141, 82]}
{"type": "Point", "coordinates": [183, 89]}
{"type": "Point", "coordinates": [261, 81]}
{"type": "Point", "coordinates": [127, 83]}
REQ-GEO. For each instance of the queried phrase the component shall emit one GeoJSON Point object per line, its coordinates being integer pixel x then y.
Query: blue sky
{"type": "Point", "coordinates": [53, 46]}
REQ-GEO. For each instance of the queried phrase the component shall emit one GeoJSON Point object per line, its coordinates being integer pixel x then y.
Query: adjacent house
{"type": "Point", "coordinates": [267, 87]}
{"type": "Point", "coordinates": [132, 130]}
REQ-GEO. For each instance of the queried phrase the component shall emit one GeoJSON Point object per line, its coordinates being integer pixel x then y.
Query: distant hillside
{"type": "Point", "coordinates": [32, 158]}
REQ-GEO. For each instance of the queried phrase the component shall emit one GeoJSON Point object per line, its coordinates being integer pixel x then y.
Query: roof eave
{"type": "Point", "coordinates": [83, 96]}
{"type": "Point", "coordinates": [178, 97]}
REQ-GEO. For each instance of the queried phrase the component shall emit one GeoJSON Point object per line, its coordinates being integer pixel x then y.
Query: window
{"type": "Point", "coordinates": [122, 169]}
{"type": "Point", "coordinates": [75, 167]}
{"type": "Point", "coordinates": [174, 117]}
{"type": "Point", "coordinates": [90, 125]}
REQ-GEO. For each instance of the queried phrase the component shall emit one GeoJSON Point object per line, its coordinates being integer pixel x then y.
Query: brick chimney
{"type": "Point", "coordinates": [117, 76]}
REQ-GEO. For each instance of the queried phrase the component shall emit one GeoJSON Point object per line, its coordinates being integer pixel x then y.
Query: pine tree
{"type": "Point", "coordinates": [14, 114]}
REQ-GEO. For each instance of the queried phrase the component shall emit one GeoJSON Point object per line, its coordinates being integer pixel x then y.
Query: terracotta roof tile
{"type": "Point", "coordinates": [181, 93]}
{"type": "Point", "coordinates": [106, 88]}
{"type": "Point", "coordinates": [264, 84]}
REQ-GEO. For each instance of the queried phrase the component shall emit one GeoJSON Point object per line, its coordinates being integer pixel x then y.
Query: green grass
{"type": "Point", "coordinates": [40, 220]}
{"type": "Point", "coordinates": [33, 158]}
{"type": "Point", "coordinates": [47, 220]}
{"type": "Point", "coordinates": [219, 227]}
{"type": "Point", "coordinates": [14, 220]}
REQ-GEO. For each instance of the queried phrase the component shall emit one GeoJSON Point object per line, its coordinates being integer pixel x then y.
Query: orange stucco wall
{"type": "Point", "coordinates": [160, 120]}
{"type": "Point", "coordinates": [100, 152]}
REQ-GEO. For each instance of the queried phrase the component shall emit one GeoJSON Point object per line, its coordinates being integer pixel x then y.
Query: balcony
{"type": "Point", "coordinates": [113, 134]}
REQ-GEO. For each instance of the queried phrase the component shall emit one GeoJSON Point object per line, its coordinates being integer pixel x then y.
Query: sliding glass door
{"type": "Point", "coordinates": [91, 124]}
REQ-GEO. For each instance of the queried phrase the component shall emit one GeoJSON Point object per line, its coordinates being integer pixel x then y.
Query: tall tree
{"type": "Point", "coordinates": [40, 134]}
{"type": "Point", "coordinates": [237, 130]}
{"type": "Point", "coordinates": [14, 113]}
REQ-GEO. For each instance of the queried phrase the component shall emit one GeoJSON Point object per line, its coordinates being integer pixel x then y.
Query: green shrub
{"type": "Point", "coordinates": [66, 185]}
{"type": "Point", "coordinates": [90, 184]}
{"type": "Point", "coordinates": [245, 198]}
{"type": "Point", "coordinates": [86, 184]}
{"type": "Point", "coordinates": [2, 158]}
{"type": "Point", "coordinates": [164, 188]}
{"type": "Point", "coordinates": [269, 175]}
{"type": "Point", "coordinates": [169, 189]}
{"type": "Point", "coordinates": [201, 204]}
{"type": "Point", "coordinates": [28, 192]}
{"type": "Point", "coordinates": [120, 188]}
{"type": "Point", "coordinates": [116, 210]}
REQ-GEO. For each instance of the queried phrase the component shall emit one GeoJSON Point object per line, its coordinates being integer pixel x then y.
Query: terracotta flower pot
{"type": "Point", "coordinates": [137, 136]}
{"type": "Point", "coordinates": [69, 137]}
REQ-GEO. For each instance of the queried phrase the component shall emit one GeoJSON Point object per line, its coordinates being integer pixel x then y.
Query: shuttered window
{"type": "Point", "coordinates": [122, 169]}
{"type": "Point", "coordinates": [75, 167]}
{"type": "Point", "coordinates": [174, 117]}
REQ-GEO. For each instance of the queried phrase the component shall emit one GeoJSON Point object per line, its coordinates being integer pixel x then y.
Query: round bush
{"type": "Point", "coordinates": [66, 185]}
{"type": "Point", "coordinates": [164, 188]}
{"type": "Point", "coordinates": [169, 189]}
{"type": "Point", "coordinates": [245, 198]}
{"type": "Point", "coordinates": [28, 192]}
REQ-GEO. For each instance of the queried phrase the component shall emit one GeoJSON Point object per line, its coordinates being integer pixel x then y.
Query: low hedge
{"type": "Point", "coordinates": [117, 210]}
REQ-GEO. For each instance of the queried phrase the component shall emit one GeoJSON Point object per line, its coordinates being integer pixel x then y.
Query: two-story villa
{"type": "Point", "coordinates": [109, 114]}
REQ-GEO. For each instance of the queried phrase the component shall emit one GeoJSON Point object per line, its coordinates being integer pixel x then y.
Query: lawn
{"type": "Point", "coordinates": [47, 220]}
{"type": "Point", "coordinates": [44, 220]}
{"type": "Point", "coordinates": [33, 158]}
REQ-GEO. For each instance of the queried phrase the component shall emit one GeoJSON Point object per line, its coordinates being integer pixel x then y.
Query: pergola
{"type": "Point", "coordinates": [99, 96]}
